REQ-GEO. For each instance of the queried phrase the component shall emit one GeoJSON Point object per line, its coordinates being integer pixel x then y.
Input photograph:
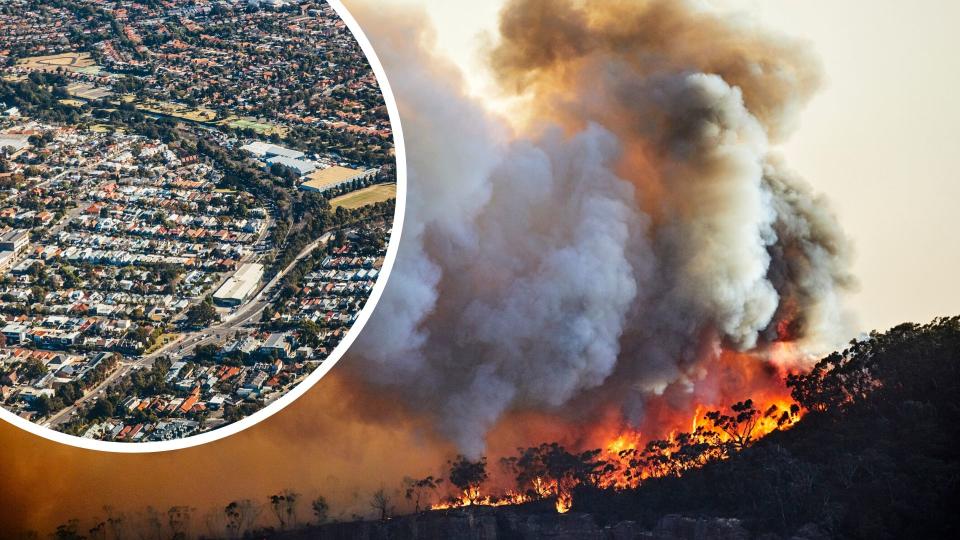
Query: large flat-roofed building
{"type": "Point", "coordinates": [239, 286]}
{"type": "Point", "coordinates": [301, 166]}
{"type": "Point", "coordinates": [15, 240]}
{"type": "Point", "coordinates": [13, 143]}
{"type": "Point", "coordinates": [334, 177]}
{"type": "Point", "coordinates": [264, 150]}
{"type": "Point", "coordinates": [15, 333]}
{"type": "Point", "coordinates": [7, 259]}
{"type": "Point", "coordinates": [276, 345]}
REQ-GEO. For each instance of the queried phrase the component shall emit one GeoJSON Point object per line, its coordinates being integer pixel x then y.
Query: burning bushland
{"type": "Point", "coordinates": [551, 471]}
{"type": "Point", "coordinates": [626, 249]}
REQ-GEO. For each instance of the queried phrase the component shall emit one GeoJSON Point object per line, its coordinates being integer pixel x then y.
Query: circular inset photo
{"type": "Point", "coordinates": [200, 206]}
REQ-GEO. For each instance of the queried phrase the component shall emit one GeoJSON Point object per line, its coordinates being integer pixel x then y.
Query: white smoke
{"type": "Point", "coordinates": [540, 267]}
{"type": "Point", "coordinates": [719, 220]}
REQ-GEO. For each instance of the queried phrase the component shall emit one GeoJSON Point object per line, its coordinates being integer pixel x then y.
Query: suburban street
{"type": "Point", "coordinates": [185, 343]}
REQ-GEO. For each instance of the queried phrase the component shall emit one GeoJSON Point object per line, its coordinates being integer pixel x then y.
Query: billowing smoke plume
{"type": "Point", "coordinates": [596, 261]}
{"type": "Point", "coordinates": [634, 226]}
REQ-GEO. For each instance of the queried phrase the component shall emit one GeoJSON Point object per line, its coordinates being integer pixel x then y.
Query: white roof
{"type": "Point", "coordinates": [241, 283]}
{"type": "Point", "coordinates": [302, 166]}
{"type": "Point", "coordinates": [16, 141]}
{"type": "Point", "coordinates": [264, 149]}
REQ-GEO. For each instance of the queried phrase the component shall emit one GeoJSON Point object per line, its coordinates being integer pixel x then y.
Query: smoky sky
{"type": "Point", "coordinates": [633, 225]}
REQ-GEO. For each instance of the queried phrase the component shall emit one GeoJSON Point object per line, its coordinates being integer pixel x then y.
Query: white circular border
{"type": "Point", "coordinates": [338, 351]}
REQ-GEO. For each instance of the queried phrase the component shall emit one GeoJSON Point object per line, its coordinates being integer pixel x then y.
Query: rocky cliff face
{"type": "Point", "coordinates": [483, 523]}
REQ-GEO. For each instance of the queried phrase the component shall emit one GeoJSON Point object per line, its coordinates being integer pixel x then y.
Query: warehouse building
{"type": "Point", "coordinates": [300, 166]}
{"type": "Point", "coordinates": [238, 288]}
{"type": "Point", "coordinates": [263, 150]}
{"type": "Point", "coordinates": [15, 240]}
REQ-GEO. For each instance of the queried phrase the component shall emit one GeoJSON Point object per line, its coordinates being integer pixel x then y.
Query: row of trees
{"type": "Point", "coordinates": [38, 96]}
{"type": "Point", "coordinates": [241, 518]}
{"type": "Point", "coordinates": [550, 469]}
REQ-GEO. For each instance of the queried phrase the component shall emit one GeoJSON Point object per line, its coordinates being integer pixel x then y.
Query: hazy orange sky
{"type": "Point", "coordinates": [880, 140]}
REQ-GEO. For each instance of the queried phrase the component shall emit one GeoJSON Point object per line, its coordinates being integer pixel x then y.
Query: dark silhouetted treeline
{"type": "Point", "coordinates": [876, 456]}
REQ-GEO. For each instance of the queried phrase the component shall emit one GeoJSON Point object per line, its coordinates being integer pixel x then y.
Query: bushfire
{"type": "Point", "coordinates": [550, 471]}
{"type": "Point", "coordinates": [542, 490]}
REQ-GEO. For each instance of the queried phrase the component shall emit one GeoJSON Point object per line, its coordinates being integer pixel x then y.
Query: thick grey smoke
{"type": "Point", "coordinates": [637, 227]}
{"type": "Point", "coordinates": [810, 260]}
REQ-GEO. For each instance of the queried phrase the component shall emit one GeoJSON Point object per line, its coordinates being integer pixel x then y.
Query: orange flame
{"type": "Point", "coordinates": [673, 439]}
{"type": "Point", "coordinates": [472, 497]}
